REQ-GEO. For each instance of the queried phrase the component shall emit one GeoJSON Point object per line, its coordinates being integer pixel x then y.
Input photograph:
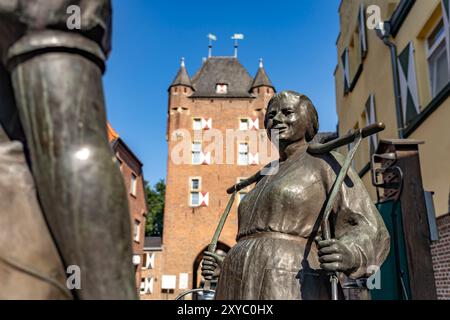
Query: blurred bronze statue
{"type": "Point", "coordinates": [280, 251]}
{"type": "Point", "coordinates": [70, 209]}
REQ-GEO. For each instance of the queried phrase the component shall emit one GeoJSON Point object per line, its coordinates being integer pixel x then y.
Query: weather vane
{"type": "Point", "coordinates": [211, 38]}
{"type": "Point", "coordinates": [236, 37]}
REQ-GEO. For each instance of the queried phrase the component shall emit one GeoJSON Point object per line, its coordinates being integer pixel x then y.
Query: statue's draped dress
{"type": "Point", "coordinates": [276, 255]}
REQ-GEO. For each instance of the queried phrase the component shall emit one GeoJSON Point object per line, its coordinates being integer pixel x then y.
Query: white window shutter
{"type": "Point", "coordinates": [253, 159]}
{"type": "Point", "coordinates": [206, 123]}
{"type": "Point", "coordinates": [150, 285]}
{"type": "Point", "coordinates": [204, 199]}
{"type": "Point", "coordinates": [408, 84]}
{"type": "Point", "coordinates": [254, 124]}
{"type": "Point", "coordinates": [150, 261]}
{"type": "Point", "coordinates": [147, 286]}
{"type": "Point", "coordinates": [362, 31]}
{"type": "Point", "coordinates": [205, 158]}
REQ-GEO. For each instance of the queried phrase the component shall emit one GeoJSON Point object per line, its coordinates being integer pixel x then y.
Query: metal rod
{"type": "Point", "coordinates": [346, 139]}
{"type": "Point", "coordinates": [326, 229]}
{"type": "Point", "coordinates": [213, 245]}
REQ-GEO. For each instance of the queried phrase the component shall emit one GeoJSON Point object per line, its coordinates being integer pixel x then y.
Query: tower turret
{"type": "Point", "coordinates": [182, 82]}
{"type": "Point", "coordinates": [262, 84]}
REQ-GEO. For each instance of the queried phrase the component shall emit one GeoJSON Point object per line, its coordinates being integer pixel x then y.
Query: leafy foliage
{"type": "Point", "coordinates": [155, 202]}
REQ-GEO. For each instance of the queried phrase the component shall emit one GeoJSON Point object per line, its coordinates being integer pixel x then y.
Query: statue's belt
{"type": "Point", "coordinates": [274, 235]}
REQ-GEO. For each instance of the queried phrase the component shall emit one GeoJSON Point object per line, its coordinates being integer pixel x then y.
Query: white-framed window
{"type": "Point", "coordinates": [197, 153]}
{"type": "Point", "coordinates": [195, 184]}
{"type": "Point", "coordinates": [136, 230]}
{"type": "Point", "coordinates": [437, 57]}
{"type": "Point", "coordinates": [194, 189]}
{"type": "Point", "coordinates": [197, 124]}
{"type": "Point", "coordinates": [133, 184]}
{"type": "Point", "coordinates": [243, 124]}
{"type": "Point", "coordinates": [222, 88]}
{"type": "Point", "coordinates": [194, 199]}
{"type": "Point", "coordinates": [243, 153]}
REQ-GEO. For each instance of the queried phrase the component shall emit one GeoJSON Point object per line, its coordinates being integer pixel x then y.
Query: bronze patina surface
{"type": "Point", "coordinates": [51, 100]}
{"type": "Point", "coordinates": [279, 253]}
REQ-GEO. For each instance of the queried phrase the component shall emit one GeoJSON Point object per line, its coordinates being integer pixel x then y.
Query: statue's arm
{"type": "Point", "coordinates": [57, 79]}
{"type": "Point", "coordinates": [360, 227]}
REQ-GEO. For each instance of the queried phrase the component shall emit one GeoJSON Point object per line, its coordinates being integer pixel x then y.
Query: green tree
{"type": "Point", "coordinates": [155, 202]}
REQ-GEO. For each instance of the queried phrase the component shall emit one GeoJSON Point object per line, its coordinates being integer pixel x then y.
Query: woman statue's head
{"type": "Point", "coordinates": [292, 117]}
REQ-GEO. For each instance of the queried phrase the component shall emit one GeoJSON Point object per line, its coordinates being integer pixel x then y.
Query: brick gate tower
{"type": "Point", "coordinates": [211, 118]}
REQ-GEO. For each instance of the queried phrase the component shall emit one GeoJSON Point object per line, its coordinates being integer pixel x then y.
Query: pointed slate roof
{"type": "Point", "coordinates": [182, 77]}
{"type": "Point", "coordinates": [222, 70]}
{"type": "Point", "coordinates": [261, 78]}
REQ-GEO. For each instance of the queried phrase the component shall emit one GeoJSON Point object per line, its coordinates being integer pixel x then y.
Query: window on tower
{"type": "Point", "coordinates": [221, 88]}
{"type": "Point", "coordinates": [243, 124]}
{"type": "Point", "coordinates": [195, 184]}
{"type": "Point", "coordinates": [196, 153]}
{"type": "Point", "coordinates": [194, 188]}
{"type": "Point", "coordinates": [243, 154]}
{"type": "Point", "coordinates": [195, 199]}
{"type": "Point", "coordinates": [197, 124]}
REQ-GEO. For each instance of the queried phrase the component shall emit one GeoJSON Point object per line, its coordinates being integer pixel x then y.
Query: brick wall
{"type": "Point", "coordinates": [129, 166]}
{"type": "Point", "coordinates": [440, 251]}
{"type": "Point", "coordinates": [188, 230]}
{"type": "Point", "coordinates": [153, 273]}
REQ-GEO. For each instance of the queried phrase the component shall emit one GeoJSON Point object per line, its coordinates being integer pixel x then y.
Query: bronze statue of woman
{"type": "Point", "coordinates": [279, 253]}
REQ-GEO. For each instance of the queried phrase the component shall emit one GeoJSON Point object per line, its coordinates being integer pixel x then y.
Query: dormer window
{"type": "Point", "coordinates": [221, 88]}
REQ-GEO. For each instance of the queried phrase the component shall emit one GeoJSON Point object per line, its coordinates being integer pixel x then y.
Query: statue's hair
{"type": "Point", "coordinates": [312, 118]}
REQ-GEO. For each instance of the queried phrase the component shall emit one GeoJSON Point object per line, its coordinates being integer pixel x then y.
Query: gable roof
{"type": "Point", "coordinates": [222, 70]}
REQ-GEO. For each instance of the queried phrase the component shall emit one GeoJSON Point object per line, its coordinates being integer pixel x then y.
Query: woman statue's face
{"type": "Point", "coordinates": [285, 120]}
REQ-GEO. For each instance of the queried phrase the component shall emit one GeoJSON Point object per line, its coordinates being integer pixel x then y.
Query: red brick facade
{"type": "Point", "coordinates": [131, 169]}
{"type": "Point", "coordinates": [151, 269]}
{"type": "Point", "coordinates": [441, 258]}
{"type": "Point", "coordinates": [188, 229]}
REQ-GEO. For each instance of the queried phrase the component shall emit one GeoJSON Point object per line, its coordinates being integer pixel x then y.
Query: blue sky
{"type": "Point", "coordinates": [295, 38]}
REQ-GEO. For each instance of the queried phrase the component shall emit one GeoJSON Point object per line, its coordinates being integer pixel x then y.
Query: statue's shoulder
{"type": "Point", "coordinates": [326, 158]}
{"type": "Point", "coordinates": [325, 164]}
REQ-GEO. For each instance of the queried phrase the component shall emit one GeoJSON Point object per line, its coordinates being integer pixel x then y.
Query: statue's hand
{"type": "Point", "coordinates": [335, 256]}
{"type": "Point", "coordinates": [211, 265]}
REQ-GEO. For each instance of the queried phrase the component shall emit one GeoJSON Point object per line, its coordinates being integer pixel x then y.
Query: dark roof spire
{"type": "Point", "coordinates": [261, 78]}
{"type": "Point", "coordinates": [182, 77]}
